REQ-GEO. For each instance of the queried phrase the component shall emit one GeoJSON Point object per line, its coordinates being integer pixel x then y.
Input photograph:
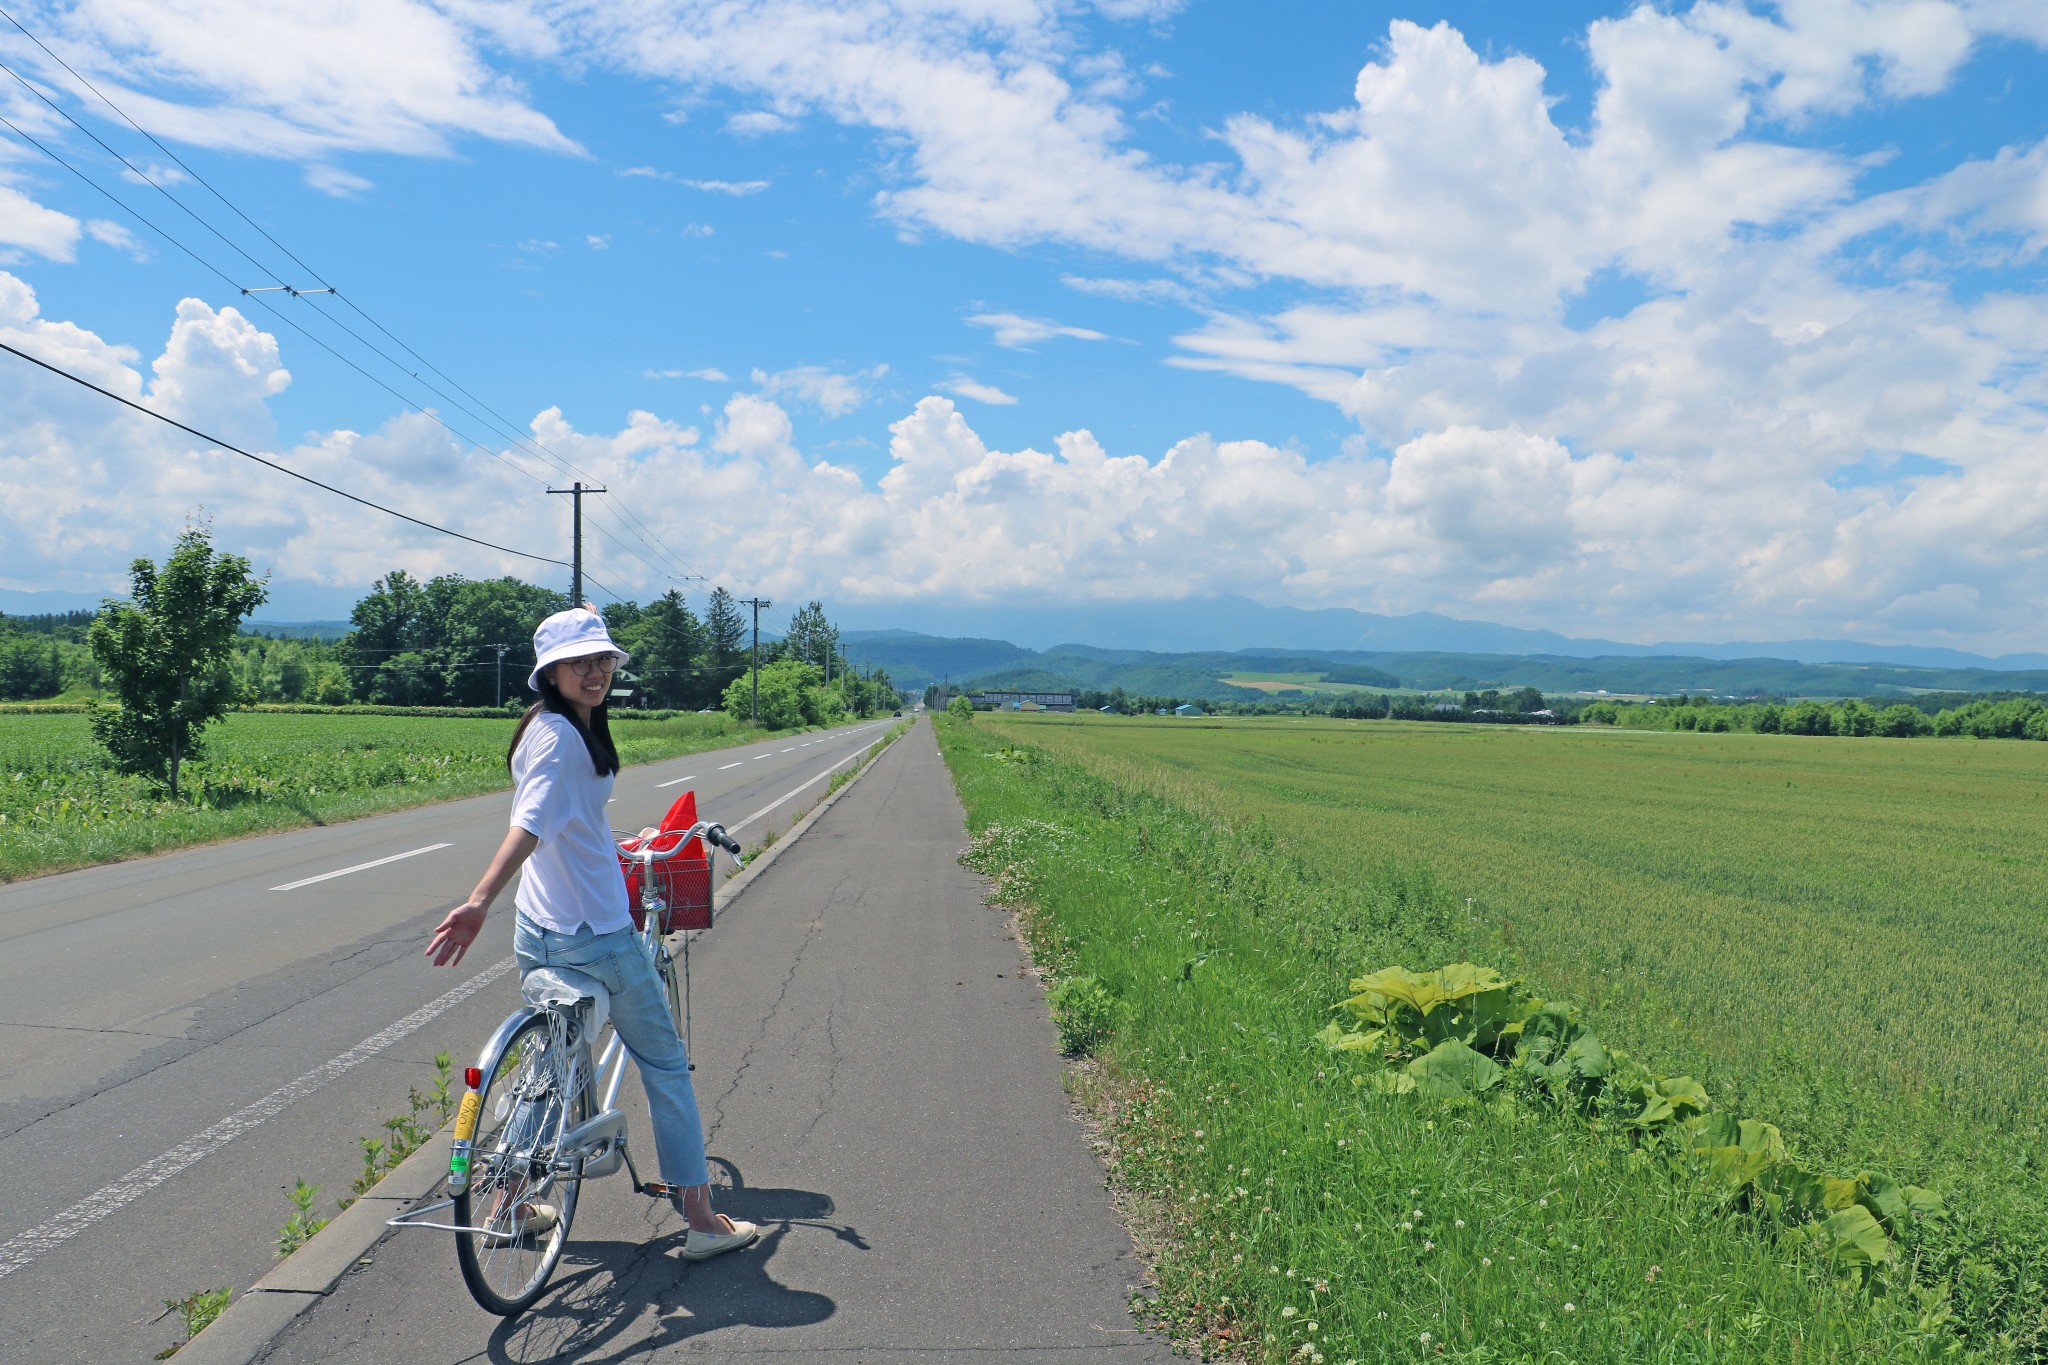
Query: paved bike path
{"type": "Point", "coordinates": [880, 1084]}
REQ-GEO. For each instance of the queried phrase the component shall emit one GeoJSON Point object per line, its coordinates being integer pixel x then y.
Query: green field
{"type": "Point", "coordinates": [1844, 939]}
{"type": "Point", "coordinates": [61, 806]}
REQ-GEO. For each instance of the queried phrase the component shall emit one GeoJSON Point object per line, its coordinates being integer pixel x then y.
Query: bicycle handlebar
{"type": "Point", "coordinates": [709, 830]}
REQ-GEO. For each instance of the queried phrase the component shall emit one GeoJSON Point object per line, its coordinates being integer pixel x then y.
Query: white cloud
{"type": "Point", "coordinates": [1012, 330]}
{"type": "Point", "coordinates": [713, 376]}
{"type": "Point", "coordinates": [27, 225]}
{"type": "Point", "coordinates": [757, 123]}
{"type": "Point", "coordinates": [1481, 519]}
{"type": "Point", "coordinates": [1134, 291]}
{"type": "Point", "coordinates": [334, 181]}
{"type": "Point", "coordinates": [114, 235]}
{"type": "Point", "coordinates": [380, 75]}
{"type": "Point", "coordinates": [833, 394]}
{"type": "Point", "coordinates": [598, 241]}
{"type": "Point", "coordinates": [699, 230]}
{"type": "Point", "coordinates": [979, 392]}
{"type": "Point", "coordinates": [736, 188]}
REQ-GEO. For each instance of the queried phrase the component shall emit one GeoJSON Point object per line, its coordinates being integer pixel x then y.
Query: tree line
{"type": "Point", "coordinates": [172, 657]}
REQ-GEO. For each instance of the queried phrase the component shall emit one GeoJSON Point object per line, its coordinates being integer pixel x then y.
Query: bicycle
{"type": "Point", "coordinates": [530, 1126]}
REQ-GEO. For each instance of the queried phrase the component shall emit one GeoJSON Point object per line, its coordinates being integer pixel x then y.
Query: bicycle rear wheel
{"type": "Point", "coordinates": [525, 1107]}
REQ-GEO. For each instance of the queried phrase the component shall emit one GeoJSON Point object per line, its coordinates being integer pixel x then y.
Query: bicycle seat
{"type": "Point", "coordinates": [567, 988]}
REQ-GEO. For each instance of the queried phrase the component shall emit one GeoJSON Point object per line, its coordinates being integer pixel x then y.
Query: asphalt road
{"type": "Point", "coordinates": [881, 1090]}
{"type": "Point", "coordinates": [182, 1038]}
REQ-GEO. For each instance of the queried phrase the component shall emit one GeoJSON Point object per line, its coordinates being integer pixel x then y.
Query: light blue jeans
{"type": "Point", "coordinates": [640, 1014]}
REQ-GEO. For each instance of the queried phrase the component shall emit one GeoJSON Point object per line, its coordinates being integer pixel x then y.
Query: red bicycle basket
{"type": "Point", "coordinates": [684, 881]}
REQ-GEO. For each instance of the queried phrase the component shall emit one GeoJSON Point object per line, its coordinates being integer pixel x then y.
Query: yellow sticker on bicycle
{"type": "Point", "coordinates": [465, 1117]}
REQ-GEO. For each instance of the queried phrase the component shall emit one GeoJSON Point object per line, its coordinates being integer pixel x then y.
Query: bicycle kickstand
{"type": "Point", "coordinates": [653, 1189]}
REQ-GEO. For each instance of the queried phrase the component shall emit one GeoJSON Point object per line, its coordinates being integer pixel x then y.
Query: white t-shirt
{"type": "Point", "coordinates": [573, 878]}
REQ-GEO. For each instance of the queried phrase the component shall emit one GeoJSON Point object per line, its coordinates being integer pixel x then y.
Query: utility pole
{"type": "Point", "coordinates": [501, 671]}
{"type": "Point", "coordinates": [576, 492]}
{"type": "Point", "coordinates": [757, 603]}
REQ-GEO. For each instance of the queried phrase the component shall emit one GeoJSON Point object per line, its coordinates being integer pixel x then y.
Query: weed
{"type": "Point", "coordinates": [196, 1311]}
{"type": "Point", "coordinates": [1083, 1012]}
{"type": "Point", "coordinates": [300, 1227]}
{"type": "Point", "coordinates": [405, 1133]}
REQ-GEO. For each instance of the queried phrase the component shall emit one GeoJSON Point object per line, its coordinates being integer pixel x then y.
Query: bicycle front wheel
{"type": "Point", "coordinates": [525, 1106]}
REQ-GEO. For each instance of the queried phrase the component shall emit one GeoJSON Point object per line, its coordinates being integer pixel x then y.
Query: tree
{"type": "Point", "coordinates": [790, 696]}
{"type": "Point", "coordinates": [960, 709]}
{"type": "Point", "coordinates": [811, 637]}
{"type": "Point", "coordinates": [728, 628]}
{"type": "Point", "coordinates": [164, 653]}
{"type": "Point", "coordinates": [668, 644]}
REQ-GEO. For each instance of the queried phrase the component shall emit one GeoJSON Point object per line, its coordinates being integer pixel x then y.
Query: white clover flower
{"type": "Point", "coordinates": [1313, 1327]}
{"type": "Point", "coordinates": [1200, 1134]}
{"type": "Point", "coordinates": [1424, 1338]}
{"type": "Point", "coordinates": [1418, 1215]}
{"type": "Point", "coordinates": [1290, 1272]}
{"type": "Point", "coordinates": [1457, 1222]}
{"type": "Point", "coordinates": [1486, 1260]}
{"type": "Point", "coordinates": [1543, 1203]}
{"type": "Point", "coordinates": [1428, 1245]}
{"type": "Point", "coordinates": [1407, 1227]}
{"type": "Point", "coordinates": [1571, 1308]}
{"type": "Point", "coordinates": [1288, 1312]}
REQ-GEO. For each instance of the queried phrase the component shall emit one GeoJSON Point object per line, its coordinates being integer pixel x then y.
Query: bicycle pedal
{"type": "Point", "coordinates": [654, 1189]}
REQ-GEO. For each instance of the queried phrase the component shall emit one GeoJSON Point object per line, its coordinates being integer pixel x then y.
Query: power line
{"type": "Point", "coordinates": [673, 568]}
{"type": "Point", "coordinates": [83, 382]}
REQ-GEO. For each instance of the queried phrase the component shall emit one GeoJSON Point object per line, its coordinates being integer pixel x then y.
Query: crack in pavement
{"type": "Point", "coordinates": [768, 1016]}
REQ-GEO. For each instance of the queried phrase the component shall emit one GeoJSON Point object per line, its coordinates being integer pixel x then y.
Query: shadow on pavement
{"type": "Point", "coordinates": [617, 1299]}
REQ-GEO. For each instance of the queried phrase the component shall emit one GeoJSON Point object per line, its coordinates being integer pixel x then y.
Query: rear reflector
{"type": "Point", "coordinates": [472, 1077]}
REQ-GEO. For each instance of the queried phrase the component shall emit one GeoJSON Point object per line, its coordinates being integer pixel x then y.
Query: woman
{"type": "Point", "coordinates": [572, 901]}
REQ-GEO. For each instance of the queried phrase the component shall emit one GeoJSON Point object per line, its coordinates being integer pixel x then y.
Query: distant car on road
{"type": "Point", "coordinates": [895, 713]}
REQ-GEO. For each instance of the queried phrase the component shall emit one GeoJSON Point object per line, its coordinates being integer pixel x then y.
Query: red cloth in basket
{"type": "Point", "coordinates": [684, 881]}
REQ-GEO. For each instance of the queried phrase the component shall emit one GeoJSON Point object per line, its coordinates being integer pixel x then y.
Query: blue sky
{"type": "Point", "coordinates": [1697, 321]}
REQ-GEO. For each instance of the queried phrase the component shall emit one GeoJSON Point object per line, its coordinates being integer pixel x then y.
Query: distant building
{"type": "Point", "coordinates": [1023, 701]}
{"type": "Point", "coordinates": [1187, 708]}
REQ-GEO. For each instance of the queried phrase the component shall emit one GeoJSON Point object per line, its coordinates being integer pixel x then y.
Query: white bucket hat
{"type": "Point", "coordinates": [572, 634]}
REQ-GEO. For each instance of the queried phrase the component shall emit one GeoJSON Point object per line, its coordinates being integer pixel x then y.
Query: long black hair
{"type": "Point", "coordinates": [597, 736]}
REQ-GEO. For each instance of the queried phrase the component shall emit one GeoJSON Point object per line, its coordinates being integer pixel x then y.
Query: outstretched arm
{"type": "Point", "coordinates": [460, 927]}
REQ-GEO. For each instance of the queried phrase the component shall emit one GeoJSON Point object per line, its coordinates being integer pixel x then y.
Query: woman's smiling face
{"type": "Point", "coordinates": [585, 681]}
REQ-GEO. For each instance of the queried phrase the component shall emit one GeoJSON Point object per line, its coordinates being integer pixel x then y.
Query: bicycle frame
{"type": "Point", "coordinates": [597, 1146]}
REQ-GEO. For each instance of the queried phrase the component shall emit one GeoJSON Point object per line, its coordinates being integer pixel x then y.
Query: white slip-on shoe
{"type": "Point", "coordinates": [539, 1220]}
{"type": "Point", "coordinates": [702, 1246]}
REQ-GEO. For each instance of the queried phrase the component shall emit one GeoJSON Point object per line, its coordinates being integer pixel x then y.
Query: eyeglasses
{"type": "Point", "coordinates": [596, 663]}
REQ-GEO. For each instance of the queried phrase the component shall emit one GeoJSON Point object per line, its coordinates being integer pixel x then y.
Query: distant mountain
{"type": "Point", "coordinates": [915, 661]}
{"type": "Point", "coordinates": [1238, 623]}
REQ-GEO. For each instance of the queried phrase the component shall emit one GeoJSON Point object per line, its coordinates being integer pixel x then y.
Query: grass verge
{"type": "Point", "coordinates": [1299, 1216]}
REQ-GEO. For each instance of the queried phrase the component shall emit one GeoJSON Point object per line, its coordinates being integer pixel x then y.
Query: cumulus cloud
{"type": "Point", "coordinates": [1482, 519]}
{"type": "Point", "coordinates": [1012, 330]}
{"type": "Point", "coordinates": [736, 188]}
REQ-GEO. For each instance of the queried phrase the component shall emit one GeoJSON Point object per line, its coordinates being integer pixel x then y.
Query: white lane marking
{"type": "Point", "coordinates": [678, 782]}
{"type": "Point", "coordinates": [359, 867]}
{"type": "Point", "coordinates": [794, 790]}
{"type": "Point", "coordinates": [25, 1248]}
{"type": "Point", "coordinates": [759, 757]}
{"type": "Point", "coordinates": [730, 765]}
{"type": "Point", "coordinates": [789, 751]}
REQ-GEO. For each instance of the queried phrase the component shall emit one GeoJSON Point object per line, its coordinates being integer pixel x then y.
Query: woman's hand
{"type": "Point", "coordinates": [457, 930]}
{"type": "Point", "coordinates": [460, 926]}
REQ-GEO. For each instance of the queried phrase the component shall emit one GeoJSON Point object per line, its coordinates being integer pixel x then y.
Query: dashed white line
{"type": "Point", "coordinates": [730, 765]}
{"type": "Point", "coordinates": [25, 1248]}
{"type": "Point", "coordinates": [678, 781]}
{"type": "Point", "coordinates": [359, 867]}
